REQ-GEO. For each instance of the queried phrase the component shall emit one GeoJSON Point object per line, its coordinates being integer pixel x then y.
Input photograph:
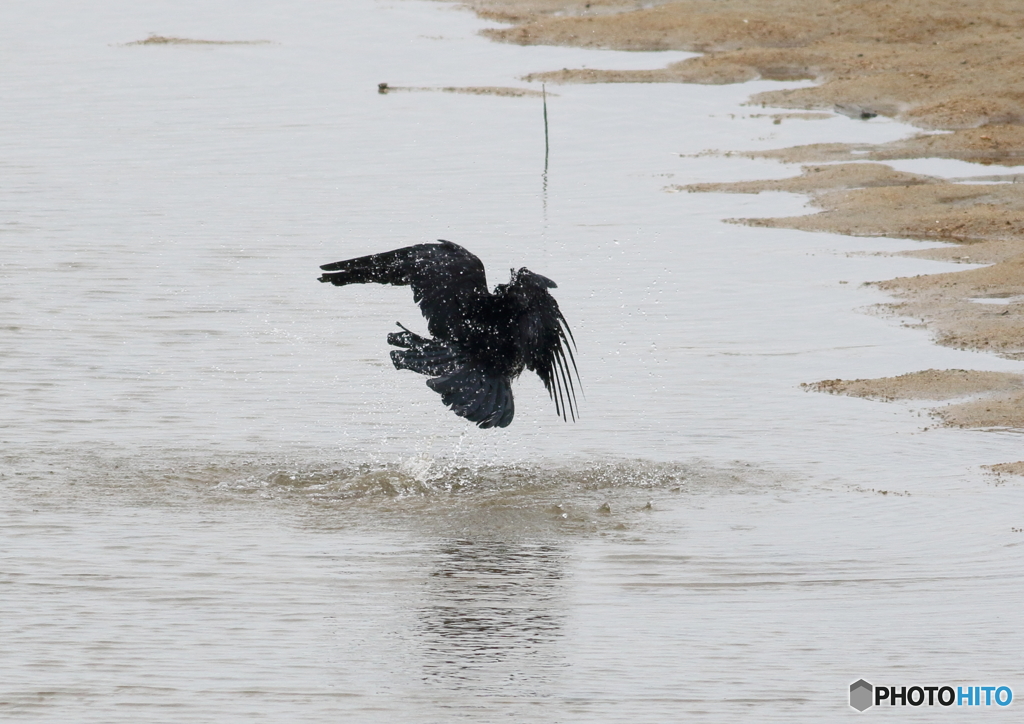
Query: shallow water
{"type": "Point", "coordinates": [221, 502]}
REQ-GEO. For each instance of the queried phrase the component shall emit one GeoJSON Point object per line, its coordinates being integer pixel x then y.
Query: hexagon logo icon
{"type": "Point", "coordinates": [861, 695]}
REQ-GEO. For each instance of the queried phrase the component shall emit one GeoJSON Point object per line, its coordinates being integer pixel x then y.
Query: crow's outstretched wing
{"type": "Point", "coordinates": [547, 340]}
{"type": "Point", "coordinates": [447, 281]}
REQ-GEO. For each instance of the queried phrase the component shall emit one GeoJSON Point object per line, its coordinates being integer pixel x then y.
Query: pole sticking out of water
{"type": "Point", "coordinates": [547, 147]}
{"type": "Point", "coordinates": [547, 151]}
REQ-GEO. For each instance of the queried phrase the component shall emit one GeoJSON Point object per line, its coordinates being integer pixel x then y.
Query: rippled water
{"type": "Point", "coordinates": [221, 503]}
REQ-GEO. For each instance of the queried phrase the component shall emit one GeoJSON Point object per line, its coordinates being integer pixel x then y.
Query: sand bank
{"type": "Point", "coordinates": [981, 399]}
{"type": "Point", "coordinates": [952, 68]}
{"type": "Point", "coordinates": [169, 40]}
{"type": "Point", "coordinates": [385, 88]}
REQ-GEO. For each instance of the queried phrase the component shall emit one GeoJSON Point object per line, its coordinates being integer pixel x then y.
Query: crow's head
{"type": "Point", "coordinates": [526, 278]}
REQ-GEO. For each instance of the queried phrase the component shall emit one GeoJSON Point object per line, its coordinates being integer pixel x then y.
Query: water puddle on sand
{"type": "Point", "coordinates": [221, 502]}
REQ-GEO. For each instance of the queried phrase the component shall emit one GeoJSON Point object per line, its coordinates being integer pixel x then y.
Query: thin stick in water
{"type": "Point", "coordinates": [547, 147]}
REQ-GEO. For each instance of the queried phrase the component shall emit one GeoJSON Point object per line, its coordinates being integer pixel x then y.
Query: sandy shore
{"type": "Point", "coordinates": [951, 68]}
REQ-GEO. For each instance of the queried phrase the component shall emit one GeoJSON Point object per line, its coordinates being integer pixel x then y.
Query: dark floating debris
{"type": "Point", "coordinates": [853, 111]}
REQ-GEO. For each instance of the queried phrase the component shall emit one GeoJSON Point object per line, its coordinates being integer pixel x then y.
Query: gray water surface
{"type": "Point", "coordinates": [220, 502]}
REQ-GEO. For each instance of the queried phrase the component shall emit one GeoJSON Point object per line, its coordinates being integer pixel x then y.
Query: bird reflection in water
{"type": "Point", "coordinates": [494, 617]}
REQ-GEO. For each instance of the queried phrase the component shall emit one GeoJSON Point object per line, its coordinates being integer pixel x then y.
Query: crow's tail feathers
{"type": "Point", "coordinates": [468, 391]}
{"type": "Point", "coordinates": [476, 396]}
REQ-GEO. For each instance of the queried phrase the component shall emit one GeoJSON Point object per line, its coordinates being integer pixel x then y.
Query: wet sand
{"type": "Point", "coordinates": [949, 68]}
{"type": "Point", "coordinates": [980, 399]}
{"type": "Point", "coordinates": [168, 40]}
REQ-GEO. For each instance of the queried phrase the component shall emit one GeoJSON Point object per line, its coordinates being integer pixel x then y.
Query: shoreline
{"type": "Point", "coordinates": [947, 67]}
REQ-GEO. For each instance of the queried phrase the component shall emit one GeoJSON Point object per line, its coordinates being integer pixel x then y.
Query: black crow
{"type": "Point", "coordinates": [481, 340]}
